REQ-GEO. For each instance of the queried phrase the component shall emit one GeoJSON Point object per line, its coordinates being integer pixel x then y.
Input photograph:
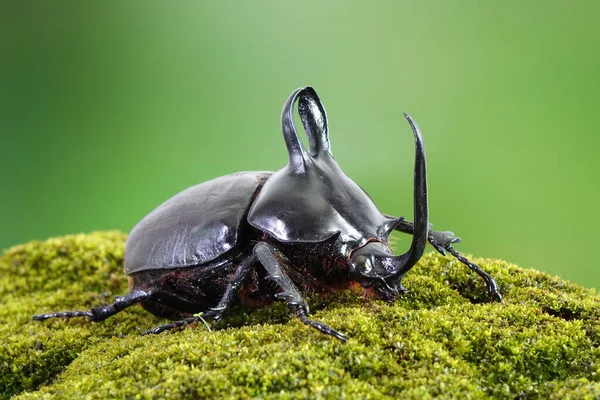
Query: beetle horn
{"type": "Point", "coordinates": [294, 146]}
{"type": "Point", "coordinates": [314, 118]}
{"type": "Point", "coordinates": [402, 264]}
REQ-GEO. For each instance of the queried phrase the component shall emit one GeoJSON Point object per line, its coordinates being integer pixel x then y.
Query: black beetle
{"type": "Point", "coordinates": [307, 227]}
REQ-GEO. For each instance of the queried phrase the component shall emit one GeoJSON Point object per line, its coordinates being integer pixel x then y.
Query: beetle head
{"type": "Point", "coordinates": [371, 265]}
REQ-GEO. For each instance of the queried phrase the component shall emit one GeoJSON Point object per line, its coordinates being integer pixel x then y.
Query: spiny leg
{"type": "Point", "coordinates": [215, 313]}
{"type": "Point", "coordinates": [272, 260]}
{"type": "Point", "coordinates": [492, 285]}
{"type": "Point", "coordinates": [442, 242]}
{"type": "Point", "coordinates": [100, 313]}
{"type": "Point", "coordinates": [438, 239]}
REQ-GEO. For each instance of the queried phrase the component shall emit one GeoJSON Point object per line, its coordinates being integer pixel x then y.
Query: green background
{"type": "Point", "coordinates": [109, 108]}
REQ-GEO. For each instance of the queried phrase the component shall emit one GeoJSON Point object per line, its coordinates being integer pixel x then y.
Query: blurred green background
{"type": "Point", "coordinates": [109, 108]}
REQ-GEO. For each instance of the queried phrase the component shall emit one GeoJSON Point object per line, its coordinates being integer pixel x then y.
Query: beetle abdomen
{"type": "Point", "coordinates": [195, 226]}
{"type": "Point", "coordinates": [182, 292]}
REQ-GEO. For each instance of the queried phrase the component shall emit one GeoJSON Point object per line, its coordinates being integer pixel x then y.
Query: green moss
{"type": "Point", "coordinates": [442, 339]}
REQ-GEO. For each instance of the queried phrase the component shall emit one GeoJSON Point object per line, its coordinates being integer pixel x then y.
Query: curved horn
{"type": "Point", "coordinates": [391, 224]}
{"type": "Point", "coordinates": [294, 146]}
{"type": "Point", "coordinates": [314, 119]}
{"type": "Point", "coordinates": [402, 264]}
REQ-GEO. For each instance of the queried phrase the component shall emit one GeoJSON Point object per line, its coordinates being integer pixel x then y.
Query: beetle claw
{"type": "Point", "coordinates": [436, 246]}
{"type": "Point", "coordinates": [327, 330]}
{"type": "Point", "coordinates": [492, 285]}
{"type": "Point", "coordinates": [321, 327]}
{"type": "Point", "coordinates": [495, 297]}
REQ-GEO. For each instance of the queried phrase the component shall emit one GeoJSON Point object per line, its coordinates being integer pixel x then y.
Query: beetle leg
{"type": "Point", "coordinates": [492, 285]}
{"type": "Point", "coordinates": [439, 240]}
{"type": "Point", "coordinates": [272, 260]}
{"type": "Point", "coordinates": [442, 242]}
{"type": "Point", "coordinates": [100, 313]}
{"type": "Point", "coordinates": [172, 325]}
{"type": "Point", "coordinates": [215, 313]}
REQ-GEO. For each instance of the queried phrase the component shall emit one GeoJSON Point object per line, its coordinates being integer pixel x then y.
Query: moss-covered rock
{"type": "Point", "coordinates": [442, 339]}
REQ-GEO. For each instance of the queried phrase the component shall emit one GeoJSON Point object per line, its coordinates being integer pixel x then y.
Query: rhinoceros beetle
{"type": "Point", "coordinates": [306, 228]}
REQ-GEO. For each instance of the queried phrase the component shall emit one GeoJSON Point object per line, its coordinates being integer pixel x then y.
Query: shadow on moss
{"type": "Point", "coordinates": [441, 339]}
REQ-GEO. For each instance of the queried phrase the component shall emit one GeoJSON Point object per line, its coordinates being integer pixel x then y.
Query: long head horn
{"type": "Point", "coordinates": [314, 118]}
{"type": "Point", "coordinates": [403, 263]}
{"type": "Point", "coordinates": [290, 135]}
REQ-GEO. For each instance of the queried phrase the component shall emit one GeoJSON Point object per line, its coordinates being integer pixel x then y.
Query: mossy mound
{"type": "Point", "coordinates": [442, 339]}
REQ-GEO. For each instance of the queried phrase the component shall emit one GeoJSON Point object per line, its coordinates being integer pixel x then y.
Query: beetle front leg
{"type": "Point", "coordinates": [442, 242]}
{"type": "Point", "coordinates": [272, 260]}
{"type": "Point", "coordinates": [100, 313]}
{"type": "Point", "coordinates": [439, 240]}
{"type": "Point", "coordinates": [215, 313]}
{"type": "Point", "coordinates": [492, 285]}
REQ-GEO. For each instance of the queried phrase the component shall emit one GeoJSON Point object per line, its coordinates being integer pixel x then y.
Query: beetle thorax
{"type": "Point", "coordinates": [319, 267]}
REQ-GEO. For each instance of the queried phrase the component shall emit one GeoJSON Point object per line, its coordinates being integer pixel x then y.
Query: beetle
{"type": "Point", "coordinates": [306, 228]}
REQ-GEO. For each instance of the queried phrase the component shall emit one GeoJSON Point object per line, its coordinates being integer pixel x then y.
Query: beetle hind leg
{"type": "Point", "coordinates": [96, 314]}
{"type": "Point", "coordinates": [215, 313]}
{"type": "Point", "coordinates": [272, 260]}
